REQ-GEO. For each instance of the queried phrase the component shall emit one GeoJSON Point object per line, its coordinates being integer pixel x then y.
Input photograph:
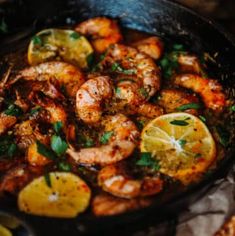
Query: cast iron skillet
{"type": "Point", "coordinates": [160, 17]}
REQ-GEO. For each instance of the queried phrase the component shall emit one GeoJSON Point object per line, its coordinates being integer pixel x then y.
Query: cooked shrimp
{"type": "Point", "coordinates": [210, 90]}
{"type": "Point", "coordinates": [171, 99]}
{"type": "Point", "coordinates": [120, 145]}
{"type": "Point", "coordinates": [34, 158]}
{"type": "Point", "coordinates": [103, 32]}
{"type": "Point", "coordinates": [68, 75]}
{"type": "Point", "coordinates": [6, 122]}
{"type": "Point", "coordinates": [150, 110]}
{"type": "Point", "coordinates": [90, 96]}
{"type": "Point", "coordinates": [189, 64]}
{"type": "Point", "coordinates": [17, 177]}
{"type": "Point", "coordinates": [152, 46]}
{"type": "Point", "coordinates": [127, 60]}
{"type": "Point", "coordinates": [104, 204]}
{"type": "Point", "coordinates": [115, 180]}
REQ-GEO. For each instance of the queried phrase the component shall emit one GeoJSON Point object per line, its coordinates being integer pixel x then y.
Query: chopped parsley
{"type": "Point", "coordinates": [202, 118]}
{"type": "Point", "coordinates": [143, 92]}
{"type": "Point", "coordinates": [140, 124]}
{"type": "Point", "coordinates": [35, 110]}
{"type": "Point", "coordinates": [106, 136]}
{"type": "Point", "coordinates": [3, 26]}
{"type": "Point", "coordinates": [89, 142]}
{"type": "Point", "coordinates": [232, 108]}
{"type": "Point", "coordinates": [182, 142]}
{"type": "Point", "coordinates": [58, 145]}
{"type": "Point", "coordinates": [116, 67]}
{"type": "Point", "coordinates": [37, 40]}
{"type": "Point", "coordinates": [90, 60]}
{"type": "Point", "coordinates": [48, 179]}
{"type": "Point", "coordinates": [74, 35]}
{"type": "Point", "coordinates": [146, 160]}
{"type": "Point", "coordinates": [178, 47]}
{"type": "Point", "coordinates": [45, 151]}
{"type": "Point", "coordinates": [7, 146]}
{"type": "Point", "coordinates": [223, 135]}
{"type": "Point", "coordinates": [117, 90]}
{"type": "Point", "coordinates": [188, 106]}
{"type": "Point", "coordinates": [179, 122]}
{"type": "Point", "coordinates": [58, 126]}
{"type": "Point", "coordinates": [64, 166]}
{"type": "Point", "coordinates": [13, 110]}
{"type": "Point", "coordinates": [198, 155]}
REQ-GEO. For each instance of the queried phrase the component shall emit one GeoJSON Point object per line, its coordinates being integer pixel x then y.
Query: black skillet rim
{"type": "Point", "coordinates": [225, 165]}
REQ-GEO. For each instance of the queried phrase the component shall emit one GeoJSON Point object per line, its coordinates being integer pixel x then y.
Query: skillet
{"type": "Point", "coordinates": [169, 21]}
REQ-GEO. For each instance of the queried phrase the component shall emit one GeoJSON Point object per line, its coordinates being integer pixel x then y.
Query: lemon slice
{"type": "Point", "coordinates": [4, 231]}
{"type": "Point", "coordinates": [58, 44]}
{"type": "Point", "coordinates": [181, 143]}
{"type": "Point", "coordinates": [65, 196]}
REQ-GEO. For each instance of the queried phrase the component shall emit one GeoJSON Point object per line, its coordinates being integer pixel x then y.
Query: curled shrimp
{"type": "Point", "coordinates": [103, 32]}
{"type": "Point", "coordinates": [17, 177]}
{"type": "Point", "coordinates": [171, 99]}
{"type": "Point", "coordinates": [127, 60]}
{"type": "Point", "coordinates": [104, 204]}
{"type": "Point", "coordinates": [115, 180]}
{"type": "Point", "coordinates": [90, 96]}
{"type": "Point", "coordinates": [210, 90]}
{"type": "Point", "coordinates": [68, 75]}
{"type": "Point", "coordinates": [152, 46]}
{"type": "Point", "coordinates": [120, 145]}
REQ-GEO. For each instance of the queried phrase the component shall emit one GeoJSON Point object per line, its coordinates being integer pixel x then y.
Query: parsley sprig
{"type": "Point", "coordinates": [146, 160]}
{"type": "Point", "coordinates": [57, 149]}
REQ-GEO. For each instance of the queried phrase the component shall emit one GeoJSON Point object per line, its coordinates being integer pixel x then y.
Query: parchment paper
{"type": "Point", "coordinates": [204, 217]}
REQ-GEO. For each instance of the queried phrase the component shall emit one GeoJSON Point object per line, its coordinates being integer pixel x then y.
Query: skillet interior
{"type": "Point", "coordinates": [161, 17]}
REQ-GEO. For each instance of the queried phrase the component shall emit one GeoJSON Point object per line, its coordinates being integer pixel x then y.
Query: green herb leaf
{"type": "Point", "coordinates": [13, 110]}
{"type": "Point", "coordinates": [106, 136]}
{"type": "Point", "coordinates": [147, 160]}
{"type": "Point", "coordinates": [178, 47]}
{"type": "Point", "coordinates": [64, 166]}
{"type": "Point", "coordinates": [7, 146]}
{"type": "Point", "coordinates": [37, 40]}
{"type": "Point", "coordinates": [58, 145]}
{"type": "Point", "coordinates": [116, 67]}
{"type": "Point", "coordinates": [140, 124]}
{"type": "Point", "coordinates": [202, 118]}
{"type": "Point", "coordinates": [12, 150]}
{"type": "Point", "coordinates": [182, 142]}
{"type": "Point", "coordinates": [126, 79]}
{"type": "Point", "coordinates": [188, 106]}
{"type": "Point", "coordinates": [223, 134]}
{"type": "Point", "coordinates": [117, 90]}
{"type": "Point", "coordinates": [179, 122]}
{"type": "Point", "coordinates": [3, 26]}
{"type": "Point", "coordinates": [58, 126]}
{"type": "Point", "coordinates": [232, 108]}
{"type": "Point", "coordinates": [75, 35]}
{"type": "Point", "coordinates": [45, 151]}
{"type": "Point", "coordinates": [198, 155]}
{"type": "Point", "coordinates": [89, 143]}
{"type": "Point", "coordinates": [143, 92]}
{"type": "Point", "coordinates": [48, 179]}
{"type": "Point", "coordinates": [35, 110]}
{"type": "Point", "coordinates": [90, 60]}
